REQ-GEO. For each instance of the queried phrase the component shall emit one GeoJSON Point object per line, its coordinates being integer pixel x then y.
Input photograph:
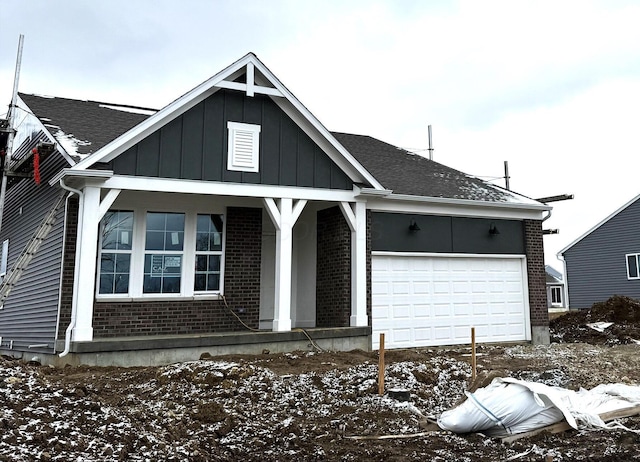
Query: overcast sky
{"type": "Point", "coordinates": [552, 87]}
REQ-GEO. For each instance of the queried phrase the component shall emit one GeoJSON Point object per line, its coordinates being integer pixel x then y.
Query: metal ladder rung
{"type": "Point", "coordinates": [29, 251]}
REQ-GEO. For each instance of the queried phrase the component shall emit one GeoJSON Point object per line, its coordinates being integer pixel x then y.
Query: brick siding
{"type": "Point", "coordinates": [536, 273]}
{"type": "Point", "coordinates": [69, 256]}
{"type": "Point", "coordinates": [243, 245]}
{"type": "Point", "coordinates": [333, 283]}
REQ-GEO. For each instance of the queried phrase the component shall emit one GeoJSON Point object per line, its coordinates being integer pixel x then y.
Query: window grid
{"type": "Point", "coordinates": [164, 249]}
{"type": "Point", "coordinates": [116, 234]}
{"type": "Point", "coordinates": [208, 253]}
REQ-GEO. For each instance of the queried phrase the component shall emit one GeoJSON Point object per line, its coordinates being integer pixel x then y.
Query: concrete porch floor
{"type": "Point", "coordinates": [160, 350]}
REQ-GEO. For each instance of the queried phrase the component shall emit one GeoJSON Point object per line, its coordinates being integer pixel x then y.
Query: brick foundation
{"type": "Point", "coordinates": [333, 284]}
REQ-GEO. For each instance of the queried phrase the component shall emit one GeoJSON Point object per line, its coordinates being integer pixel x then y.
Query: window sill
{"type": "Point", "coordinates": [158, 298]}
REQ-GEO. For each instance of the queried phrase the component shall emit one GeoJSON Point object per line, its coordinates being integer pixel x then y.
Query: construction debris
{"type": "Point", "coordinates": [510, 407]}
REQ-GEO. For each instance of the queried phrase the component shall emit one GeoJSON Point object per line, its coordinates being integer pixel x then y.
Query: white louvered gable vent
{"type": "Point", "coordinates": [244, 147]}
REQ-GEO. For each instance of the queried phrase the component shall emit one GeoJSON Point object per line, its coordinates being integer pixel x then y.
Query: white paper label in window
{"type": "Point", "coordinates": [172, 262]}
{"type": "Point", "coordinates": [175, 238]}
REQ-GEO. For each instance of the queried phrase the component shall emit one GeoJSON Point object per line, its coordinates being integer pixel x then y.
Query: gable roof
{"type": "Point", "coordinates": [250, 75]}
{"type": "Point", "coordinates": [594, 228]}
{"type": "Point", "coordinates": [92, 132]}
{"type": "Point", "coordinates": [394, 168]}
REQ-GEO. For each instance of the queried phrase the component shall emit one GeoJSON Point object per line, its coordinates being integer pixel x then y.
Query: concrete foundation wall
{"type": "Point", "coordinates": [156, 351]}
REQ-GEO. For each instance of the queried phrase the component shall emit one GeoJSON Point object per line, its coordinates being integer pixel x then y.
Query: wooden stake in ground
{"type": "Point", "coordinates": [473, 353]}
{"type": "Point", "coordinates": [381, 366]}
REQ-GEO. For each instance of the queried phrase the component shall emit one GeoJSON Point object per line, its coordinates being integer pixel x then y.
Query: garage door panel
{"type": "Point", "coordinates": [401, 312]}
{"type": "Point", "coordinates": [421, 311]}
{"type": "Point", "coordinates": [424, 301]}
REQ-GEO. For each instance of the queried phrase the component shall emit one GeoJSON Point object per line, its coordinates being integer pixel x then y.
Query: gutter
{"type": "Point", "coordinates": [73, 173]}
{"type": "Point", "coordinates": [74, 301]}
{"type": "Point", "coordinates": [388, 194]}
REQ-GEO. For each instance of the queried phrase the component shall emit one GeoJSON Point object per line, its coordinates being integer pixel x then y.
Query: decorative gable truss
{"type": "Point", "coordinates": [250, 87]}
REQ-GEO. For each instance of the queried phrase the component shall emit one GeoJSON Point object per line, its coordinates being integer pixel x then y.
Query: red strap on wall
{"type": "Point", "coordinates": [36, 165]}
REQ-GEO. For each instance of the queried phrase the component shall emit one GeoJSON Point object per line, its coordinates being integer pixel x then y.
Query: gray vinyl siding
{"type": "Point", "coordinates": [29, 315]}
{"type": "Point", "coordinates": [596, 265]}
{"type": "Point", "coordinates": [194, 146]}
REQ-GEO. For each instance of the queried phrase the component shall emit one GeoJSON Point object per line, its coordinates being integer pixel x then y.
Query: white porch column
{"type": "Point", "coordinates": [284, 215]}
{"type": "Point", "coordinates": [86, 248]}
{"type": "Point", "coordinates": [356, 216]}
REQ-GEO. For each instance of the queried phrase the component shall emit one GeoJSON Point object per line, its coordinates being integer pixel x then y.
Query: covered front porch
{"type": "Point", "coordinates": [287, 263]}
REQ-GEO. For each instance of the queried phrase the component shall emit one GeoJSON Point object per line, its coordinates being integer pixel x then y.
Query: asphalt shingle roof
{"type": "Point", "coordinates": [411, 174]}
{"type": "Point", "coordinates": [96, 124]}
{"type": "Point", "coordinates": [87, 121]}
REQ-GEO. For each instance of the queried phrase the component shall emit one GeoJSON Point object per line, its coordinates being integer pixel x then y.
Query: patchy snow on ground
{"type": "Point", "coordinates": [295, 406]}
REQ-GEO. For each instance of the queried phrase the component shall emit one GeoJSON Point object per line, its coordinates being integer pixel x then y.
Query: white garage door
{"type": "Point", "coordinates": [428, 301]}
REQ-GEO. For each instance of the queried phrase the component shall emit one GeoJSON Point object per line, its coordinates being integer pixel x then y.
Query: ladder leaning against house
{"type": "Point", "coordinates": [29, 251]}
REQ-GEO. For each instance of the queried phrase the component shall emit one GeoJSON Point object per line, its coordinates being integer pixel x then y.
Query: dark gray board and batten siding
{"type": "Point", "coordinates": [596, 265]}
{"type": "Point", "coordinates": [29, 315]}
{"type": "Point", "coordinates": [194, 146]}
{"type": "Point", "coordinates": [444, 234]}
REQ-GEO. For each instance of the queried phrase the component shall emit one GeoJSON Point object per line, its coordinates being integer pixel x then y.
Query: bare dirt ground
{"type": "Point", "coordinates": [310, 405]}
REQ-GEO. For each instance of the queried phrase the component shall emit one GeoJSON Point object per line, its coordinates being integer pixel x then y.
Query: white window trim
{"type": "Point", "coordinates": [187, 276]}
{"type": "Point", "coordinates": [118, 251]}
{"type": "Point", "coordinates": [626, 261]}
{"type": "Point", "coordinates": [211, 252]}
{"type": "Point", "coordinates": [234, 162]}
{"type": "Point", "coordinates": [4, 259]}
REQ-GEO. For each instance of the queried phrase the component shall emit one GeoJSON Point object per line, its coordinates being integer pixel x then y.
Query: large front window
{"type": "Point", "coordinates": [149, 253]}
{"type": "Point", "coordinates": [164, 245]}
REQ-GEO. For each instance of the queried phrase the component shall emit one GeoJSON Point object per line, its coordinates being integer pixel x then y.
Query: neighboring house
{"type": "Point", "coordinates": [555, 288]}
{"type": "Point", "coordinates": [232, 217]}
{"type": "Point", "coordinates": [605, 261]}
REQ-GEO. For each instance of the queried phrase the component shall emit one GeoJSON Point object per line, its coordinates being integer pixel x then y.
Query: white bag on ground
{"type": "Point", "coordinates": [510, 406]}
{"type": "Point", "coordinates": [500, 409]}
